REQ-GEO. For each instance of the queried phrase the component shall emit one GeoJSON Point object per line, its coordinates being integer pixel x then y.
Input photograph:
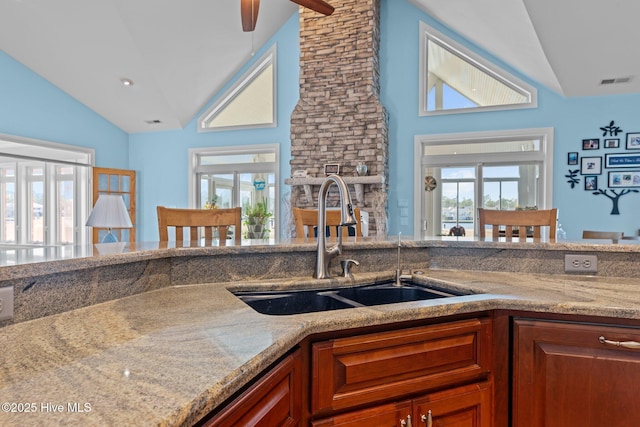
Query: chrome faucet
{"type": "Point", "coordinates": [346, 218]}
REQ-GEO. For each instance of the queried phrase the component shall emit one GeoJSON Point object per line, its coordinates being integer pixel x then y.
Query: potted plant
{"type": "Point", "coordinates": [255, 219]}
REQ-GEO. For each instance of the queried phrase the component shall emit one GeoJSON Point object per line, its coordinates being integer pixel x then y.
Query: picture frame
{"type": "Point", "coordinates": [590, 183]}
{"type": "Point", "coordinates": [622, 160]}
{"type": "Point", "coordinates": [591, 144]}
{"type": "Point", "coordinates": [624, 179]}
{"type": "Point", "coordinates": [331, 168]}
{"type": "Point", "coordinates": [591, 165]}
{"type": "Point", "coordinates": [572, 158]}
{"type": "Point", "coordinates": [633, 141]}
{"type": "Point", "coordinates": [611, 143]}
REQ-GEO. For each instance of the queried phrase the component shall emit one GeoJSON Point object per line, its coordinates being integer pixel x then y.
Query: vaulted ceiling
{"type": "Point", "coordinates": [180, 53]}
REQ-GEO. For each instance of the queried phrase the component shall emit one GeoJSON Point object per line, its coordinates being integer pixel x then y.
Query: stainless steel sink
{"type": "Point", "coordinates": [308, 301]}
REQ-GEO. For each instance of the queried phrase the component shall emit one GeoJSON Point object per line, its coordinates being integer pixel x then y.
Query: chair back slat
{"type": "Point", "coordinates": [306, 219]}
{"type": "Point", "coordinates": [518, 220]}
{"type": "Point", "coordinates": [194, 220]}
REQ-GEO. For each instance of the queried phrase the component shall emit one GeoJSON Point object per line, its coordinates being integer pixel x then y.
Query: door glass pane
{"type": "Point", "coordinates": [458, 208]}
{"type": "Point", "coordinates": [36, 204]}
{"type": "Point", "coordinates": [65, 204]}
{"type": "Point", "coordinates": [8, 205]}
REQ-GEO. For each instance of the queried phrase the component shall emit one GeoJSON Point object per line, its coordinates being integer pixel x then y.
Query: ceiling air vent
{"type": "Point", "coordinates": [615, 81]}
{"type": "Point", "coordinates": [153, 122]}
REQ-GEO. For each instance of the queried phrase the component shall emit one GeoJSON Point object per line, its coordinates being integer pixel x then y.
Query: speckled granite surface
{"type": "Point", "coordinates": [62, 279]}
{"type": "Point", "coordinates": [167, 357]}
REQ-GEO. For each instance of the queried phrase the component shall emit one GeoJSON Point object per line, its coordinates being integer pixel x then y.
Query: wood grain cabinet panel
{"type": "Point", "coordinates": [466, 406]}
{"type": "Point", "coordinates": [565, 376]}
{"type": "Point", "coordinates": [274, 401]}
{"type": "Point", "coordinates": [364, 369]}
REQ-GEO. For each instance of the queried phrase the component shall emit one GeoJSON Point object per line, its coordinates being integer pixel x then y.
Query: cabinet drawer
{"type": "Point", "coordinates": [359, 370]}
{"type": "Point", "coordinates": [273, 401]}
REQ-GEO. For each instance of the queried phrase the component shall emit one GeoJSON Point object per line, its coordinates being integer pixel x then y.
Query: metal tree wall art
{"type": "Point", "coordinates": [615, 197]}
{"type": "Point", "coordinates": [612, 129]}
{"type": "Point", "coordinates": [573, 177]}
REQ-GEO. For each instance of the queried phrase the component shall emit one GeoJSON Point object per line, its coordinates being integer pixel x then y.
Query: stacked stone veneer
{"type": "Point", "coordinates": [339, 117]}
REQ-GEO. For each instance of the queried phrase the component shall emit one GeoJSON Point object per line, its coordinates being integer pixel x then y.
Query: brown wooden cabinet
{"type": "Point", "coordinates": [274, 400]}
{"type": "Point", "coordinates": [383, 378]}
{"type": "Point", "coordinates": [565, 375]}
{"type": "Point", "coordinates": [466, 406]}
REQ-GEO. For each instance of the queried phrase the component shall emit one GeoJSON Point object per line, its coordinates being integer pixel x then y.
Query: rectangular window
{"type": "Point", "coordinates": [496, 170]}
{"type": "Point", "coordinates": [246, 177]}
{"type": "Point", "coordinates": [43, 192]}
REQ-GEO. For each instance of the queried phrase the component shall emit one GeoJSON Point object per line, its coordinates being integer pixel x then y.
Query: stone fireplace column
{"type": "Point", "coordinates": [339, 117]}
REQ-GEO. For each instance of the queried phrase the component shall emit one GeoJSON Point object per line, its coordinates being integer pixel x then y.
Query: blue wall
{"type": "Point", "coordinates": [161, 158]}
{"type": "Point", "coordinates": [32, 107]}
{"type": "Point", "coordinates": [573, 119]}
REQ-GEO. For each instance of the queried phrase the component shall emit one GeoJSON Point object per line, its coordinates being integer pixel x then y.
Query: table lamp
{"type": "Point", "coordinates": [109, 212]}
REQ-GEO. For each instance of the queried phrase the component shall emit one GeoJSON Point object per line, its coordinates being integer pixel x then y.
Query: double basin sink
{"type": "Point", "coordinates": [308, 301]}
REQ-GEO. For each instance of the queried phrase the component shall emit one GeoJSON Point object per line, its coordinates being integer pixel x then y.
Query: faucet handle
{"type": "Point", "coordinates": [346, 267]}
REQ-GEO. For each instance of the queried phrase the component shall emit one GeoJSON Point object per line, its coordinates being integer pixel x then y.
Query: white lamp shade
{"type": "Point", "coordinates": [109, 212]}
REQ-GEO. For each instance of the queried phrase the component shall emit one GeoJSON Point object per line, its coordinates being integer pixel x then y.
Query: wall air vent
{"type": "Point", "coordinates": [615, 81]}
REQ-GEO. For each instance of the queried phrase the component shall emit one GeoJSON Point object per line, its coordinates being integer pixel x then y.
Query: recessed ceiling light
{"type": "Point", "coordinates": [127, 82]}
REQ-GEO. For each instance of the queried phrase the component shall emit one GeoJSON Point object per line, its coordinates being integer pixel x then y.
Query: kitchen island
{"type": "Point", "coordinates": [169, 356]}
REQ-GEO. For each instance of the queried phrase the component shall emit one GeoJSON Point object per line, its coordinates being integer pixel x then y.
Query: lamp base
{"type": "Point", "coordinates": [109, 238]}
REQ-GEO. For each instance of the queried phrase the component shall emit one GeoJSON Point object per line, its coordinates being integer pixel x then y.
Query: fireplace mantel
{"type": "Point", "coordinates": [357, 181]}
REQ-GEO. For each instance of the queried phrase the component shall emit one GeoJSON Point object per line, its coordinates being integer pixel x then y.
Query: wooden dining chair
{"type": "Point", "coordinates": [608, 235]}
{"type": "Point", "coordinates": [199, 219]}
{"type": "Point", "coordinates": [523, 220]}
{"type": "Point", "coordinates": [306, 219]}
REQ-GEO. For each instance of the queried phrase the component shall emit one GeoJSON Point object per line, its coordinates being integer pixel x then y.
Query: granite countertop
{"type": "Point", "coordinates": [167, 357]}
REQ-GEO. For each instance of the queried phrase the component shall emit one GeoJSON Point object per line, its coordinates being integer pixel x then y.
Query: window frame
{"type": "Point", "coordinates": [544, 157]}
{"type": "Point", "coordinates": [270, 57]}
{"type": "Point", "coordinates": [194, 170]}
{"type": "Point", "coordinates": [24, 153]}
{"type": "Point", "coordinates": [427, 32]}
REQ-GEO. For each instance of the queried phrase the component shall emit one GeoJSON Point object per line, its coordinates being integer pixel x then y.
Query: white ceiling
{"type": "Point", "coordinates": [180, 53]}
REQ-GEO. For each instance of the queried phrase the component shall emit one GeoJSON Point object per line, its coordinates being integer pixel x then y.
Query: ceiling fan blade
{"type": "Point", "coordinates": [249, 14]}
{"type": "Point", "coordinates": [319, 6]}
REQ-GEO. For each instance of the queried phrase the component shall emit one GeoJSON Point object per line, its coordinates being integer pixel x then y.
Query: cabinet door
{"type": "Point", "coordinates": [389, 415]}
{"type": "Point", "coordinates": [468, 406]}
{"type": "Point", "coordinates": [366, 369]}
{"type": "Point", "coordinates": [564, 376]}
{"type": "Point", "coordinates": [274, 401]}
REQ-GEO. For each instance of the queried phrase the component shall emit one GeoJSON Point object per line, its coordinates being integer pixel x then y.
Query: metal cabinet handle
{"type": "Point", "coordinates": [427, 419]}
{"type": "Point", "coordinates": [406, 423]}
{"type": "Point", "coordinates": [626, 344]}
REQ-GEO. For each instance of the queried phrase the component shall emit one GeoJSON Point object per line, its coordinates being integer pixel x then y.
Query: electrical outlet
{"type": "Point", "coordinates": [580, 263]}
{"type": "Point", "coordinates": [6, 303]}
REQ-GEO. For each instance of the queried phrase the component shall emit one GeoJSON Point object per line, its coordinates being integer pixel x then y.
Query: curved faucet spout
{"type": "Point", "coordinates": [346, 218]}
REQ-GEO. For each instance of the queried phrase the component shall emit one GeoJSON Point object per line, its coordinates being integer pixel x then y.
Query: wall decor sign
{"type": "Point", "coordinates": [572, 158]}
{"type": "Point", "coordinates": [590, 183]}
{"type": "Point", "coordinates": [611, 143]}
{"type": "Point", "coordinates": [590, 144]}
{"type": "Point", "coordinates": [622, 160]}
{"type": "Point", "coordinates": [633, 141]}
{"type": "Point", "coordinates": [624, 179]}
{"type": "Point", "coordinates": [591, 166]}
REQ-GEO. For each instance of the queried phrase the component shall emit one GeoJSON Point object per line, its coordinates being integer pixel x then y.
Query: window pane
{"type": "Point", "coordinates": [65, 204]}
{"type": "Point", "coordinates": [454, 82]}
{"type": "Point", "coordinates": [36, 203]}
{"type": "Point", "coordinates": [8, 205]}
